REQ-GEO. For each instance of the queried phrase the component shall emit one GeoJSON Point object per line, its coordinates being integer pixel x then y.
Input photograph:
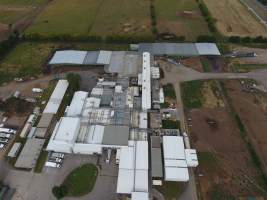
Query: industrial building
{"type": "Point", "coordinates": [115, 115]}
{"type": "Point", "coordinates": [30, 153]}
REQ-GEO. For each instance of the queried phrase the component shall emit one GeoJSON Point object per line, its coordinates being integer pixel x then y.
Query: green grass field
{"type": "Point", "coordinates": [191, 94]}
{"type": "Point", "coordinates": [66, 17]}
{"type": "Point", "coordinates": [242, 68]}
{"type": "Point", "coordinates": [26, 59]}
{"type": "Point", "coordinates": [182, 18]}
{"type": "Point", "coordinates": [123, 18]}
{"type": "Point", "coordinates": [81, 180]}
{"type": "Point", "coordinates": [170, 190]}
{"type": "Point", "coordinates": [94, 17]}
{"type": "Point", "coordinates": [21, 2]}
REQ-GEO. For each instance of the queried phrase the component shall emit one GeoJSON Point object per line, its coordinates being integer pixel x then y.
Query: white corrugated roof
{"type": "Point", "coordinates": [56, 97]}
{"type": "Point", "coordinates": [104, 57]}
{"type": "Point", "coordinates": [96, 91]}
{"type": "Point", "coordinates": [82, 148]}
{"type": "Point", "coordinates": [141, 155]}
{"type": "Point", "coordinates": [92, 102]}
{"type": "Point", "coordinates": [140, 196]}
{"type": "Point", "coordinates": [176, 174]}
{"type": "Point", "coordinates": [207, 49]}
{"type": "Point", "coordinates": [127, 158]}
{"type": "Point", "coordinates": [95, 135]}
{"type": "Point", "coordinates": [125, 183]}
{"type": "Point", "coordinates": [175, 163]}
{"type": "Point", "coordinates": [141, 181]}
{"type": "Point", "coordinates": [68, 57]}
{"type": "Point", "coordinates": [191, 157]}
{"type": "Point", "coordinates": [173, 147]}
{"type": "Point", "coordinates": [76, 106]}
{"type": "Point", "coordinates": [68, 129]}
{"type": "Point", "coordinates": [146, 82]}
{"type": "Point", "coordinates": [143, 120]}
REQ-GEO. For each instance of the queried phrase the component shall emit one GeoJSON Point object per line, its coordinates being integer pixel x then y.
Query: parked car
{"type": "Point", "coordinates": [52, 164]}
{"type": "Point", "coordinates": [57, 155]}
{"type": "Point", "coordinates": [5, 135]}
{"type": "Point", "coordinates": [57, 160]}
{"type": "Point", "coordinates": [2, 146]}
{"type": "Point", "coordinates": [7, 130]}
{"type": "Point", "coordinates": [3, 140]}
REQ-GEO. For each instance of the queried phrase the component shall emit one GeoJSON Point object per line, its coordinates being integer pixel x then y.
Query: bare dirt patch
{"type": "Point", "coordinates": [233, 18]}
{"type": "Point", "coordinates": [194, 63]}
{"type": "Point", "coordinates": [252, 109]}
{"type": "Point", "coordinates": [231, 169]}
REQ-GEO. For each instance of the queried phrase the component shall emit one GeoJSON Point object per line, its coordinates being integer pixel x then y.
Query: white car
{"type": "Point", "coordinates": [5, 135]}
{"type": "Point", "coordinates": [57, 155]}
{"type": "Point", "coordinates": [3, 140]}
{"type": "Point", "coordinates": [7, 130]}
{"type": "Point", "coordinates": [1, 146]}
{"type": "Point", "coordinates": [57, 160]}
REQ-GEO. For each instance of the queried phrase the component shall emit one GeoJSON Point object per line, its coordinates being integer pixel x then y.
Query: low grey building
{"type": "Point", "coordinates": [116, 135]}
{"type": "Point", "coordinates": [30, 153]}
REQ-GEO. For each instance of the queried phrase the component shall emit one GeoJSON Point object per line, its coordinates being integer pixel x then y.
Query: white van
{"type": "Point", "coordinates": [52, 164]}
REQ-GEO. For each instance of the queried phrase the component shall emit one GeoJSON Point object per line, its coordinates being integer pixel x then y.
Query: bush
{"type": "Point", "coordinates": [206, 38]}
{"type": "Point", "coordinates": [60, 191]}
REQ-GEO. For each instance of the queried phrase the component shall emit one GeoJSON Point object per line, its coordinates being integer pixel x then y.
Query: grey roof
{"type": "Point", "coordinates": [155, 141]}
{"type": "Point", "coordinates": [156, 162]}
{"type": "Point", "coordinates": [14, 150]}
{"type": "Point", "coordinates": [45, 120]}
{"type": "Point", "coordinates": [74, 57]}
{"type": "Point", "coordinates": [30, 153]}
{"type": "Point", "coordinates": [180, 49]}
{"type": "Point", "coordinates": [41, 132]}
{"type": "Point", "coordinates": [116, 135]}
{"type": "Point", "coordinates": [106, 97]}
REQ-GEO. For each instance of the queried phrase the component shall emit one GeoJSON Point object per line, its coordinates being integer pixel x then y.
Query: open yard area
{"type": "Point", "coordinates": [227, 169]}
{"type": "Point", "coordinates": [93, 17]}
{"type": "Point", "coordinates": [233, 18]}
{"type": "Point", "coordinates": [25, 60]}
{"type": "Point", "coordinates": [181, 18]}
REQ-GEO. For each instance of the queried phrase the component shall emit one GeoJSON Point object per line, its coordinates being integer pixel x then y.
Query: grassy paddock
{"type": "Point", "coordinates": [169, 91]}
{"type": "Point", "coordinates": [26, 59]}
{"type": "Point", "coordinates": [191, 94]}
{"type": "Point", "coordinates": [181, 17]}
{"type": "Point", "coordinates": [94, 17]}
{"type": "Point", "coordinates": [242, 68]}
{"type": "Point", "coordinates": [170, 190]}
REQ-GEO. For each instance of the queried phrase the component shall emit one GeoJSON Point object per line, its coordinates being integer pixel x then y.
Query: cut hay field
{"type": "Point", "coordinates": [183, 18]}
{"type": "Point", "coordinates": [233, 18]}
{"type": "Point", "coordinates": [93, 17]}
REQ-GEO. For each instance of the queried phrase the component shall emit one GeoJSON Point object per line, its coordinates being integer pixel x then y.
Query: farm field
{"type": "Point", "coordinates": [226, 167]}
{"type": "Point", "coordinates": [25, 60]}
{"type": "Point", "coordinates": [233, 18]}
{"type": "Point", "coordinates": [182, 18]}
{"type": "Point", "coordinates": [252, 109]}
{"type": "Point", "coordinates": [12, 11]}
{"type": "Point", "coordinates": [93, 17]}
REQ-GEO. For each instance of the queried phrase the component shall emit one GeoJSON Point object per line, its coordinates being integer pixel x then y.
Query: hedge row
{"type": "Point", "coordinates": [206, 14]}
{"type": "Point", "coordinates": [85, 38]}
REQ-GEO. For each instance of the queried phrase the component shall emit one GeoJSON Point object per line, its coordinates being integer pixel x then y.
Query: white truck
{"type": "Point", "coordinates": [52, 164]}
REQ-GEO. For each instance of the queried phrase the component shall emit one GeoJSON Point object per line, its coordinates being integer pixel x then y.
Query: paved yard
{"type": "Point", "coordinates": [31, 186]}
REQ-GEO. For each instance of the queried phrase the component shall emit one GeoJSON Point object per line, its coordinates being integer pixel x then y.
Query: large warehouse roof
{"type": "Point", "coordinates": [56, 97]}
{"type": "Point", "coordinates": [76, 106]}
{"type": "Point", "coordinates": [181, 49]}
{"type": "Point", "coordinates": [140, 196]}
{"type": "Point", "coordinates": [68, 129]}
{"type": "Point", "coordinates": [175, 165]}
{"type": "Point", "coordinates": [30, 153]}
{"type": "Point", "coordinates": [169, 144]}
{"type": "Point", "coordinates": [74, 57]}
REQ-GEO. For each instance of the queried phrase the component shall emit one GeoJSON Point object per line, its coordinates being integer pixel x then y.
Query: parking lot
{"type": "Point", "coordinates": [32, 186]}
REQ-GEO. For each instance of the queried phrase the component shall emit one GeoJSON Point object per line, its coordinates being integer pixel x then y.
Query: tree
{"type": "Point", "coordinates": [60, 191]}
